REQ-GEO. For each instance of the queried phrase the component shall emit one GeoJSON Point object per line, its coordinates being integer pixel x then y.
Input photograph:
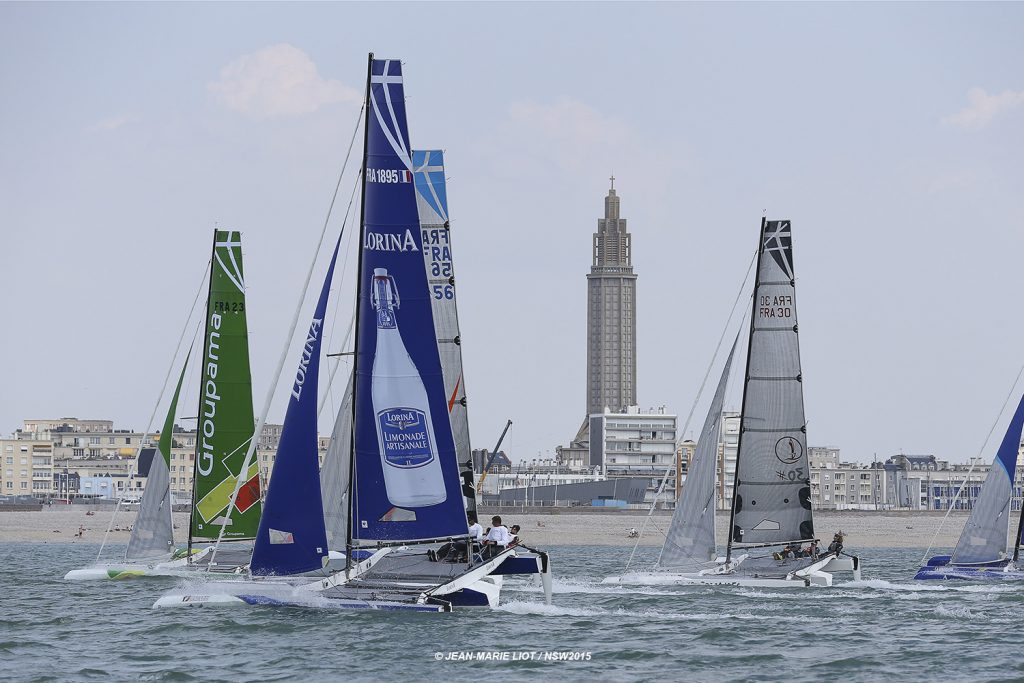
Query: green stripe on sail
{"type": "Point", "coordinates": [167, 435]}
{"type": "Point", "coordinates": [226, 419]}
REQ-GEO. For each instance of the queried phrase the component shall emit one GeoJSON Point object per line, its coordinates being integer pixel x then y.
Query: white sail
{"type": "Point", "coordinates": [691, 537]}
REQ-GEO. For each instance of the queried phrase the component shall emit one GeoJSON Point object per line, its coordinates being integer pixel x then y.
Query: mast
{"type": "Point", "coordinates": [199, 424]}
{"type": "Point", "coordinates": [743, 403]}
{"type": "Point", "coordinates": [359, 298]}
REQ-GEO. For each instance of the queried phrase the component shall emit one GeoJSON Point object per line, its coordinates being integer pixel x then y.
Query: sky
{"type": "Point", "coordinates": [890, 134]}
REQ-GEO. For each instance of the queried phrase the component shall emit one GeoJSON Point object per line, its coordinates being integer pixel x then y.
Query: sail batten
{"type": "Point", "coordinates": [771, 500]}
{"type": "Point", "coordinates": [432, 204]}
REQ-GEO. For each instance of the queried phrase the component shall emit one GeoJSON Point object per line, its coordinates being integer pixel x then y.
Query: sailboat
{"type": "Point", "coordinates": [224, 431]}
{"type": "Point", "coordinates": [152, 537]}
{"type": "Point", "coordinates": [435, 227]}
{"type": "Point", "coordinates": [225, 424]}
{"type": "Point", "coordinates": [404, 507]}
{"type": "Point", "coordinates": [982, 552]}
{"type": "Point", "coordinates": [771, 508]}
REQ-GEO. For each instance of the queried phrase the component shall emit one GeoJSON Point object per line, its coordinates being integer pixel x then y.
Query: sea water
{"type": "Point", "coordinates": [885, 627]}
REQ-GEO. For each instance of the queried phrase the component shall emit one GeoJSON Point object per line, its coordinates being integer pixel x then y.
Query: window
{"type": "Point", "coordinates": [24, 484]}
{"type": "Point", "coordinates": [10, 459]}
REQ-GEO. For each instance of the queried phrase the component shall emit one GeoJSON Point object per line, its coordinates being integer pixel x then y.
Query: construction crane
{"type": "Point", "coordinates": [494, 453]}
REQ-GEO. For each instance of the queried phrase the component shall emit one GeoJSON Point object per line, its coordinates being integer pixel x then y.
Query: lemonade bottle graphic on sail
{"type": "Point", "coordinates": [405, 432]}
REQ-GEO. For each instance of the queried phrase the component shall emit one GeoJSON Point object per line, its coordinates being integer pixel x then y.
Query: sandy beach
{"type": "Point", "coordinates": [598, 527]}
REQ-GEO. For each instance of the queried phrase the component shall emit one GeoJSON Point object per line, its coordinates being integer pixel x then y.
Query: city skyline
{"type": "Point", "coordinates": [887, 134]}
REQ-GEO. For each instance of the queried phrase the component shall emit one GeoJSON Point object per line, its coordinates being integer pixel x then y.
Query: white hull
{"type": "Point", "coordinates": [817, 574]}
{"type": "Point", "coordinates": [181, 568]}
{"type": "Point", "coordinates": [478, 587]}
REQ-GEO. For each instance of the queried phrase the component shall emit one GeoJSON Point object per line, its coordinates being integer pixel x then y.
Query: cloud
{"type": "Point", "coordinates": [280, 80]}
{"type": "Point", "coordinates": [984, 107]}
{"type": "Point", "coordinates": [569, 132]}
{"type": "Point", "coordinates": [113, 123]}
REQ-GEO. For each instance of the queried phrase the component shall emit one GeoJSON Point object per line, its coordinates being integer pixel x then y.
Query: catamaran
{"type": "Point", "coordinates": [771, 520]}
{"type": "Point", "coordinates": [982, 551]}
{"type": "Point", "coordinates": [225, 430]}
{"type": "Point", "coordinates": [152, 537]}
{"type": "Point", "coordinates": [404, 508]}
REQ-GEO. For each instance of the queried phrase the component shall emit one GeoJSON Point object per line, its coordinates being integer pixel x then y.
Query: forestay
{"type": "Point", "coordinates": [772, 502]}
{"type": "Point", "coordinates": [984, 536]}
{"type": "Point", "coordinates": [432, 204]}
{"type": "Point", "coordinates": [691, 537]}
{"type": "Point", "coordinates": [406, 474]}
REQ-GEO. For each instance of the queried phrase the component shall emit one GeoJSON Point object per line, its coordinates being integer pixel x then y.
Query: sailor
{"type": "Point", "coordinates": [837, 543]}
{"type": "Point", "coordinates": [497, 538]}
{"type": "Point", "coordinates": [476, 532]}
{"type": "Point", "coordinates": [514, 531]}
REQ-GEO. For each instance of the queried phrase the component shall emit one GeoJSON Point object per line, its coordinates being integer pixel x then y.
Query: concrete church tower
{"type": "Point", "coordinates": [611, 314]}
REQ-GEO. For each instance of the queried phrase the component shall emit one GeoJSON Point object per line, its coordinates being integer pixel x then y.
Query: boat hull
{"type": "Point", "coordinates": [939, 569]}
{"type": "Point", "coordinates": [815, 574]}
{"type": "Point", "coordinates": [371, 586]}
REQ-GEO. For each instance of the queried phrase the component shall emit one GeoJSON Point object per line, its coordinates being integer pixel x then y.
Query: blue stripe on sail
{"type": "Point", "coordinates": [406, 472]}
{"type": "Point", "coordinates": [429, 174]}
{"type": "Point", "coordinates": [292, 537]}
{"type": "Point", "coordinates": [1010, 446]}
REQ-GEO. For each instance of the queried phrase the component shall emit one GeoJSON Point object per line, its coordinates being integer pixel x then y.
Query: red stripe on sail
{"type": "Point", "coordinates": [248, 495]}
{"type": "Point", "coordinates": [451, 401]}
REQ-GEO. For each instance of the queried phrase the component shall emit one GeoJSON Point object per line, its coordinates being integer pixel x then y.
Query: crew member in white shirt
{"type": "Point", "coordinates": [498, 537]}
{"type": "Point", "coordinates": [476, 532]}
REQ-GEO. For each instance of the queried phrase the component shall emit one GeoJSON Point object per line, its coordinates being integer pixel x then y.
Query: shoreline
{"type": "Point", "coordinates": [540, 527]}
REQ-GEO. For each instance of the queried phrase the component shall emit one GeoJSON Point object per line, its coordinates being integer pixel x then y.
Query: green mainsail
{"type": "Point", "coordinates": [226, 422]}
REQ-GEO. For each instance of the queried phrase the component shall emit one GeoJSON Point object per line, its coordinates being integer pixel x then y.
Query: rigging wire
{"type": "Point", "coordinates": [159, 398]}
{"type": "Point", "coordinates": [693, 406]}
{"type": "Point", "coordinates": [974, 462]}
{"type": "Point", "coordinates": [352, 319]}
{"type": "Point", "coordinates": [257, 431]}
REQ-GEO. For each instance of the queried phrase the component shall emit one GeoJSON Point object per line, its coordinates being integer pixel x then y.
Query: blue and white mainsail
{"type": "Point", "coordinates": [984, 536]}
{"type": "Point", "coordinates": [406, 472]}
{"type": "Point", "coordinates": [292, 538]}
{"type": "Point", "coordinates": [432, 201]}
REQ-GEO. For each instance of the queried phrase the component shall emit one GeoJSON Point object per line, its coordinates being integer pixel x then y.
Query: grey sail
{"type": "Point", "coordinates": [432, 206]}
{"type": "Point", "coordinates": [334, 473]}
{"type": "Point", "coordinates": [690, 541]}
{"type": "Point", "coordinates": [152, 534]}
{"type": "Point", "coordinates": [984, 536]}
{"type": "Point", "coordinates": [772, 502]}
